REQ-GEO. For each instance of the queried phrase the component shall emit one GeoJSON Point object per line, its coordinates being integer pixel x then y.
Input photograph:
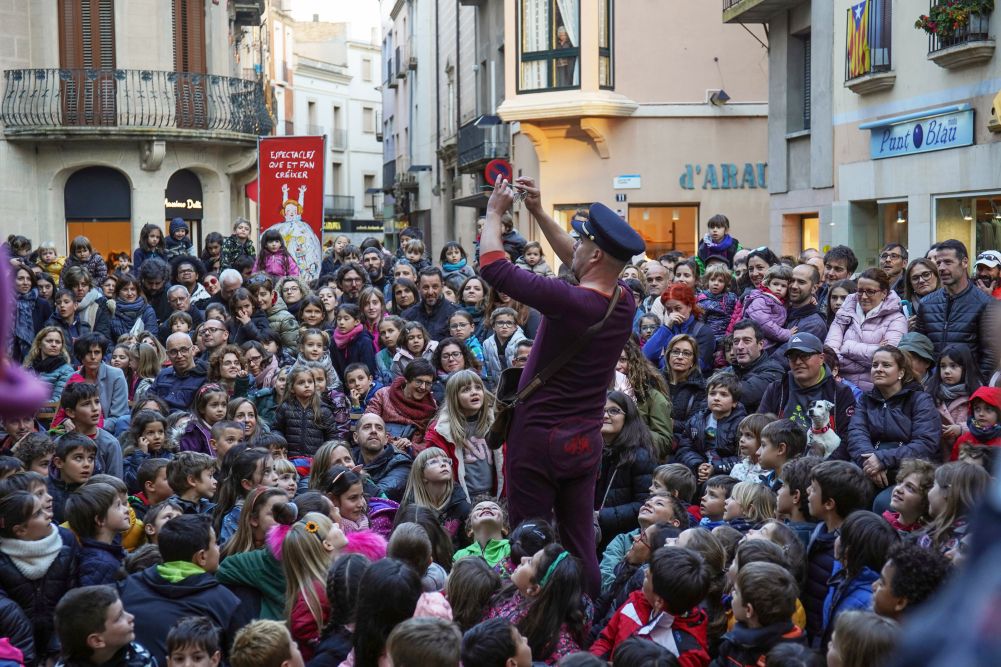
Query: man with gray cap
{"type": "Point", "coordinates": [809, 380]}
{"type": "Point", "coordinates": [920, 351]}
{"type": "Point", "coordinates": [554, 445]}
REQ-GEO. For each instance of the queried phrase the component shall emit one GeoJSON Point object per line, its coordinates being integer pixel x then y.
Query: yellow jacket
{"type": "Point", "coordinates": [54, 269]}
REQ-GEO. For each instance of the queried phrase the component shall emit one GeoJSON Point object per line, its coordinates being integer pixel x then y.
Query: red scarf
{"type": "Point", "coordinates": [345, 339]}
{"type": "Point", "coordinates": [420, 412]}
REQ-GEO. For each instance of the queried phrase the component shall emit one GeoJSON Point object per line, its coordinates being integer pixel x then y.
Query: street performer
{"type": "Point", "coordinates": [554, 444]}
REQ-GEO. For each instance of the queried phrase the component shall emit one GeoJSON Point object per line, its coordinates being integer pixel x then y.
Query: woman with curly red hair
{"type": "Point", "coordinates": [681, 315]}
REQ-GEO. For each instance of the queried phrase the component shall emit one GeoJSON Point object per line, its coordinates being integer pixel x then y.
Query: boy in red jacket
{"type": "Point", "coordinates": [985, 427]}
{"type": "Point", "coordinates": [665, 610]}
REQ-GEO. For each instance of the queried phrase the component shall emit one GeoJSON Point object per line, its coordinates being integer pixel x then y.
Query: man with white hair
{"type": "Point", "coordinates": [230, 280]}
{"type": "Point", "coordinates": [180, 301]}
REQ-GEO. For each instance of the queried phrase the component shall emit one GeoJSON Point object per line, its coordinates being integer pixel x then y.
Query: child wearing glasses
{"type": "Point", "coordinates": [499, 348]}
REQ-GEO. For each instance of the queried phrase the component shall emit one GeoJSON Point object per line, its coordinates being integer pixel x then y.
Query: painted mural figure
{"type": "Point", "coordinates": [300, 240]}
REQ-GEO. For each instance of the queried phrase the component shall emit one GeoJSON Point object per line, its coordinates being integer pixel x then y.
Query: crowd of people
{"type": "Point", "coordinates": [239, 464]}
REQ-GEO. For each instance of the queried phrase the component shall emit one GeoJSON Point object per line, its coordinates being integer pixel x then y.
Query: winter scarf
{"type": "Point", "coordinates": [24, 328]}
{"type": "Point", "coordinates": [47, 364]}
{"type": "Point", "coordinates": [350, 526]}
{"type": "Point", "coordinates": [342, 340]}
{"type": "Point", "coordinates": [458, 266]}
{"type": "Point", "coordinates": [985, 434]}
{"type": "Point", "coordinates": [419, 412]}
{"type": "Point", "coordinates": [722, 246]}
{"type": "Point", "coordinates": [947, 393]}
{"type": "Point", "coordinates": [33, 559]}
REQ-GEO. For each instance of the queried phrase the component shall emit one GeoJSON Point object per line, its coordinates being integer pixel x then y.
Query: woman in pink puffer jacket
{"type": "Point", "coordinates": [867, 319]}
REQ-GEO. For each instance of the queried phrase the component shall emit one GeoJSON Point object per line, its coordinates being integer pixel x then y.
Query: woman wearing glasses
{"type": "Point", "coordinates": [685, 382]}
{"type": "Point", "coordinates": [407, 406]}
{"type": "Point", "coordinates": [868, 319]}
{"type": "Point", "coordinates": [920, 280]}
{"type": "Point", "coordinates": [626, 471]}
{"type": "Point", "coordinates": [450, 357]}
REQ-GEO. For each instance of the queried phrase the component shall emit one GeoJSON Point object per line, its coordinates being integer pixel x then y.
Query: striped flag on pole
{"type": "Point", "coordinates": [858, 40]}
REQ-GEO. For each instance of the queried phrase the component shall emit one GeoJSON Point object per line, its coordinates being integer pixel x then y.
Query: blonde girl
{"type": "Point", "coordinates": [306, 548]}
{"type": "Point", "coordinates": [49, 358]}
{"type": "Point", "coordinates": [313, 346]}
{"type": "Point", "coordinates": [147, 365]}
{"type": "Point", "coordinates": [460, 429]}
{"type": "Point", "coordinates": [432, 485]}
{"type": "Point", "coordinates": [750, 428]}
{"type": "Point", "coordinates": [958, 488]}
{"type": "Point", "coordinates": [151, 340]}
{"type": "Point", "coordinates": [750, 504]}
{"type": "Point", "coordinates": [287, 477]}
{"type": "Point", "coordinates": [256, 519]}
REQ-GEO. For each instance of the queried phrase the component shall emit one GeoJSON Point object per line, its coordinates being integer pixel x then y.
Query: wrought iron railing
{"type": "Point", "coordinates": [479, 145]}
{"type": "Point", "coordinates": [339, 139]}
{"type": "Point", "coordinates": [339, 206]}
{"type": "Point", "coordinates": [974, 30]}
{"type": "Point", "coordinates": [40, 99]}
{"type": "Point", "coordinates": [869, 39]}
{"type": "Point", "coordinates": [727, 4]}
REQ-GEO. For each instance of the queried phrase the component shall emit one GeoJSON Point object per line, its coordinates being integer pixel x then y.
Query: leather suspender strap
{"type": "Point", "coordinates": [556, 364]}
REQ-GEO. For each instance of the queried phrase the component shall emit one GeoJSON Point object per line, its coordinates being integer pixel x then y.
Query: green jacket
{"type": "Point", "coordinates": [495, 551]}
{"type": "Point", "coordinates": [656, 411]}
{"type": "Point", "coordinates": [259, 570]}
{"type": "Point", "coordinates": [614, 554]}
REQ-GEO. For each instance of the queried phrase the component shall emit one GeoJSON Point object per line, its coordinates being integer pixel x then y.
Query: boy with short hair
{"type": "Point", "coordinates": [658, 508]}
{"type": "Point", "coordinates": [910, 576]}
{"type": "Point", "coordinates": [764, 600]}
{"type": "Point", "coordinates": [191, 476]}
{"type": "Point", "coordinates": [193, 642]}
{"type": "Point", "coordinates": [424, 642]}
{"type": "Point", "coordinates": [781, 441]}
{"type": "Point", "coordinates": [495, 643]}
{"type": "Point", "coordinates": [35, 452]}
{"type": "Point", "coordinates": [224, 436]}
{"type": "Point", "coordinates": [183, 585]}
{"type": "Point", "coordinates": [708, 444]}
{"type": "Point", "coordinates": [238, 245]}
{"type": "Point", "coordinates": [413, 252]}
{"type": "Point", "coordinates": [95, 629]}
{"type": "Point", "coordinates": [72, 465]}
{"type": "Point", "coordinates": [159, 514]}
{"type": "Point", "coordinates": [792, 503]}
{"type": "Point", "coordinates": [265, 644]}
{"type": "Point", "coordinates": [361, 388]}
{"type": "Point", "coordinates": [675, 479]}
{"type": "Point", "coordinates": [666, 610]}
{"type": "Point", "coordinates": [81, 401]}
{"type": "Point", "coordinates": [837, 488]}
{"type": "Point", "coordinates": [152, 479]}
{"type": "Point", "coordinates": [98, 516]}
{"type": "Point", "coordinates": [180, 322]}
{"type": "Point", "coordinates": [713, 505]}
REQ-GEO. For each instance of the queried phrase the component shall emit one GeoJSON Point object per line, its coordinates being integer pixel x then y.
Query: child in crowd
{"type": "Point", "coordinates": [496, 643]}
{"type": "Point", "coordinates": [410, 544]}
{"type": "Point", "coordinates": [908, 510]}
{"type": "Point", "coordinates": [792, 503]}
{"type": "Point", "coordinates": [180, 322]}
{"type": "Point", "coordinates": [413, 252]}
{"type": "Point", "coordinates": [910, 576]}
{"type": "Point", "coordinates": [147, 439]}
{"type": "Point", "coordinates": [178, 240]}
{"type": "Point", "coordinates": [66, 318]}
{"type": "Point", "coordinates": [343, 486]}
{"type": "Point", "coordinates": [72, 465]}
{"type": "Point", "coordinates": [837, 488]}
{"type": "Point", "coordinates": [193, 641]}
{"type": "Point", "coordinates": [708, 444]}
{"type": "Point", "coordinates": [647, 327]}
{"type": "Point", "coordinates": [97, 515]}
{"type": "Point", "coordinates": [984, 423]}
{"type": "Point", "coordinates": [82, 254]}
{"type": "Point", "coordinates": [499, 348]}
{"type": "Point", "coordinates": [716, 300]}
{"type": "Point", "coordinates": [49, 358]}
{"type": "Point", "coordinates": [35, 451]}
{"type": "Point", "coordinates": [750, 504]}
{"type": "Point", "coordinates": [455, 264]}
{"type": "Point", "coordinates": [863, 544]}
{"type": "Point", "coordinates": [227, 434]}
{"type": "Point", "coordinates": [675, 479]}
{"type": "Point", "coordinates": [242, 471]}
{"type": "Point", "coordinates": [150, 245]}
{"type": "Point", "coordinates": [313, 346]}
{"type": "Point", "coordinates": [238, 245]}
{"type": "Point", "coordinates": [665, 610]}
{"type": "Point", "coordinates": [133, 537]}
{"type": "Point", "coordinates": [470, 585]}
{"type": "Point", "coordinates": [212, 255]}
{"type": "Point", "coordinates": [50, 261]}
{"type": "Point", "coordinates": [658, 510]}
{"type": "Point", "coordinates": [424, 642]}
{"type": "Point", "coordinates": [286, 476]}
{"type": "Point", "coordinates": [717, 243]}
{"type": "Point", "coordinates": [275, 259]}
{"type": "Point", "coordinates": [352, 342]}
{"type": "Point", "coordinates": [955, 380]}
{"type": "Point", "coordinates": [713, 505]}
{"type": "Point", "coordinates": [487, 526]}
{"type": "Point", "coordinates": [390, 330]}
{"type": "Point", "coordinates": [94, 628]}
{"type": "Point", "coordinates": [151, 479]}
{"type": "Point", "coordinates": [209, 407]}
{"type": "Point", "coordinates": [462, 326]}
{"type": "Point", "coordinates": [159, 514]}
{"type": "Point", "coordinates": [416, 344]}
{"type": "Point", "coordinates": [767, 306]}
{"type": "Point", "coordinates": [750, 441]}
{"type": "Point", "coordinates": [957, 489]}
{"type": "Point", "coordinates": [192, 477]}
{"type": "Point", "coordinates": [38, 564]}
{"type": "Point", "coordinates": [862, 638]}
{"type": "Point", "coordinates": [265, 644]}
{"type": "Point", "coordinates": [533, 259]}
{"type": "Point", "coordinates": [301, 418]}
{"type": "Point", "coordinates": [361, 385]}
{"type": "Point", "coordinates": [782, 441]}
{"type": "Point", "coordinates": [764, 600]}
{"type": "Point", "coordinates": [546, 601]}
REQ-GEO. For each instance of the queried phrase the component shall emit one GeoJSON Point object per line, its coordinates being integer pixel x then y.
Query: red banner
{"type": "Point", "coordinates": [290, 192]}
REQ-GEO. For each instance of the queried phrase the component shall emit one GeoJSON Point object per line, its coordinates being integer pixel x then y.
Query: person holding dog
{"type": "Point", "coordinates": [807, 381]}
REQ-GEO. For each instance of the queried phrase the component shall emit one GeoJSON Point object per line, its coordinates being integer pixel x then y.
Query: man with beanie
{"type": "Point", "coordinates": [178, 239]}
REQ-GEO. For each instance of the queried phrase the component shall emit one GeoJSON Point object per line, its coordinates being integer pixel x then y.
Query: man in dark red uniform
{"type": "Point", "coordinates": [554, 445]}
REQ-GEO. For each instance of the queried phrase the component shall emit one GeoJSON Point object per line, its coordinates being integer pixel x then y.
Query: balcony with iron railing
{"type": "Point", "coordinates": [144, 104]}
{"type": "Point", "coordinates": [868, 47]}
{"type": "Point", "coordinates": [314, 130]}
{"type": "Point", "coordinates": [338, 206]}
{"type": "Point", "coordinates": [391, 81]}
{"type": "Point", "coordinates": [755, 11]}
{"type": "Point", "coordinates": [479, 145]}
{"type": "Point", "coordinates": [968, 44]}
{"type": "Point", "coordinates": [338, 139]}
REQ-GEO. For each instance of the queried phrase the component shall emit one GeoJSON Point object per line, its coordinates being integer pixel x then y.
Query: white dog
{"type": "Point", "coordinates": [821, 439]}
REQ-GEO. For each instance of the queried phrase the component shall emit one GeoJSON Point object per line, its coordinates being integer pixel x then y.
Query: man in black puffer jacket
{"type": "Point", "coordinates": [957, 311]}
{"type": "Point", "coordinates": [754, 369]}
{"type": "Point", "coordinates": [388, 469]}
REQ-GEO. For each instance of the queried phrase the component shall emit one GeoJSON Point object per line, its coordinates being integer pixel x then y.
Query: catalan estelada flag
{"type": "Point", "coordinates": [858, 40]}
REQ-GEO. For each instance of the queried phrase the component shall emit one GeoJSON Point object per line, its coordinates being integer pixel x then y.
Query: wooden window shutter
{"type": "Point", "coordinates": [87, 41]}
{"type": "Point", "coordinates": [189, 36]}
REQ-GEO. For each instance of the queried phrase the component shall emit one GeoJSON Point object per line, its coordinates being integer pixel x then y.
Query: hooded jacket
{"type": "Point", "coordinates": [856, 337]}
{"type": "Point", "coordinates": [991, 396]}
{"type": "Point", "coordinates": [744, 646]}
{"type": "Point", "coordinates": [261, 571]}
{"type": "Point", "coordinates": [389, 471]}
{"type": "Point", "coordinates": [158, 599]}
{"type": "Point", "coordinates": [126, 315]}
{"type": "Point", "coordinates": [906, 425]}
{"type": "Point", "coordinates": [439, 434]}
{"type": "Point", "coordinates": [756, 378]}
{"type": "Point", "coordinates": [693, 447]}
{"type": "Point", "coordinates": [178, 391]}
{"type": "Point", "coordinates": [961, 319]}
{"type": "Point", "coordinates": [846, 594]}
{"type": "Point", "coordinates": [770, 313]}
{"type": "Point", "coordinates": [788, 400]}
{"type": "Point", "coordinates": [175, 248]}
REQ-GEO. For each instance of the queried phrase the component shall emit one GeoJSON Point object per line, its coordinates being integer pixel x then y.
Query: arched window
{"type": "Point", "coordinates": [98, 202]}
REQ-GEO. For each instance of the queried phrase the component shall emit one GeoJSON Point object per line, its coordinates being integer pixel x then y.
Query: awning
{"type": "Point", "coordinates": [927, 113]}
